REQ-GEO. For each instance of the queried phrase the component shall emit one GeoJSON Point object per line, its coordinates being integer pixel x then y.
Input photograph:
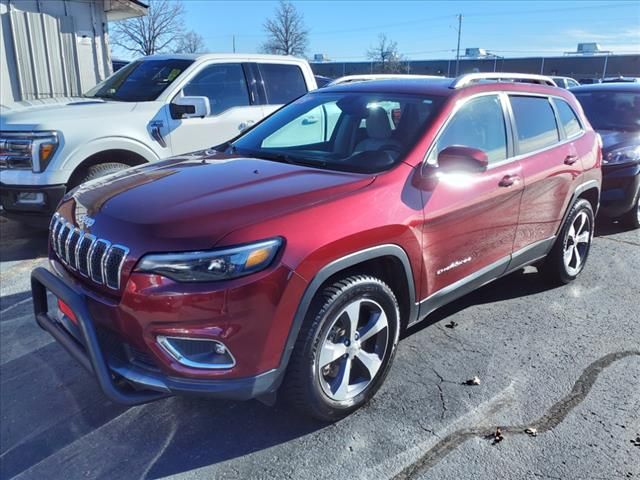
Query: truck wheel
{"type": "Point", "coordinates": [100, 170]}
{"type": "Point", "coordinates": [344, 349]}
{"type": "Point", "coordinates": [632, 217]}
{"type": "Point", "coordinates": [571, 249]}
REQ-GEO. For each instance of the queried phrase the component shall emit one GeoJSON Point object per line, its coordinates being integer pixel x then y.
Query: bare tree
{"type": "Point", "coordinates": [153, 33]}
{"type": "Point", "coordinates": [287, 32]}
{"type": "Point", "coordinates": [190, 42]}
{"type": "Point", "coordinates": [386, 56]}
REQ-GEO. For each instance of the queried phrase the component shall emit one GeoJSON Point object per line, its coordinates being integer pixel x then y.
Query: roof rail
{"type": "Point", "coordinates": [469, 78]}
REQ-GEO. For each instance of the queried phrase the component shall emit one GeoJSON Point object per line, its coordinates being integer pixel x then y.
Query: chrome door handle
{"type": "Point", "coordinates": [509, 180]}
{"type": "Point", "coordinates": [570, 159]}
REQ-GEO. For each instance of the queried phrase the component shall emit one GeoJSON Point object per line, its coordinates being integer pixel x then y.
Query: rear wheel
{"type": "Point", "coordinates": [344, 349]}
{"type": "Point", "coordinates": [632, 217]}
{"type": "Point", "coordinates": [569, 254]}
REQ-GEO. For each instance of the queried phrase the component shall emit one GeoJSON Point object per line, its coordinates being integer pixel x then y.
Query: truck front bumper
{"type": "Point", "coordinates": [31, 204]}
{"type": "Point", "coordinates": [122, 381]}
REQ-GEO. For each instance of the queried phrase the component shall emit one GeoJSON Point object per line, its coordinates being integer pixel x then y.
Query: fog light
{"type": "Point", "coordinates": [30, 198]}
{"type": "Point", "coordinates": [197, 352]}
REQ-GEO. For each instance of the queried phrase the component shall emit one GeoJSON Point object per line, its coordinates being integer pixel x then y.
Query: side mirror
{"type": "Point", "coordinates": [457, 158]}
{"type": "Point", "coordinates": [190, 107]}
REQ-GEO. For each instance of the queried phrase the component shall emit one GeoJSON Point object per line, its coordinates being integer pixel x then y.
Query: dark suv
{"type": "Point", "coordinates": [294, 257]}
{"type": "Point", "coordinates": [614, 111]}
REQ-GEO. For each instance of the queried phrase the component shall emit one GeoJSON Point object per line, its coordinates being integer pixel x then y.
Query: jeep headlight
{"type": "Point", "coordinates": [213, 265]}
{"type": "Point", "coordinates": [27, 150]}
{"type": "Point", "coordinates": [623, 155]}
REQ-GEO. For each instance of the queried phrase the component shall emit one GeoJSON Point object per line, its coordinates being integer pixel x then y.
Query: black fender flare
{"type": "Point", "coordinates": [350, 260]}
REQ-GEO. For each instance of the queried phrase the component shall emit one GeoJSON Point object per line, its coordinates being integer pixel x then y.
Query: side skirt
{"type": "Point", "coordinates": [462, 287]}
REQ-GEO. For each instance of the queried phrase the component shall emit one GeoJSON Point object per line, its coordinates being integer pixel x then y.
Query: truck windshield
{"type": "Point", "coordinates": [140, 81]}
{"type": "Point", "coordinates": [355, 131]}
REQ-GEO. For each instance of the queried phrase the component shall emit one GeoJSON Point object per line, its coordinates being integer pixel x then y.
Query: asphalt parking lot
{"type": "Point", "coordinates": [564, 361]}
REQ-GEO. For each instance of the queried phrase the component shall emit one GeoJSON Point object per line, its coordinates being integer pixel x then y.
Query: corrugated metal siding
{"type": "Point", "coordinates": [46, 55]}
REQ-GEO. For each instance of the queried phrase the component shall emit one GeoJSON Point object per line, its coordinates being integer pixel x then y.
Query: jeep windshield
{"type": "Point", "coordinates": [360, 132]}
{"type": "Point", "coordinates": [140, 81]}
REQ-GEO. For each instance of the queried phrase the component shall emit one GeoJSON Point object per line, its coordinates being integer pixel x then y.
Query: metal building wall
{"type": "Point", "coordinates": [572, 66]}
{"type": "Point", "coordinates": [52, 48]}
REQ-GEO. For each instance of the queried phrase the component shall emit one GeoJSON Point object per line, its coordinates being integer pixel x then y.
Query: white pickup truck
{"type": "Point", "coordinates": [152, 108]}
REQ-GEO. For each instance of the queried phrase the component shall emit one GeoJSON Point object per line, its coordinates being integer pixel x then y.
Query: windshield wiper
{"type": "Point", "coordinates": [281, 157]}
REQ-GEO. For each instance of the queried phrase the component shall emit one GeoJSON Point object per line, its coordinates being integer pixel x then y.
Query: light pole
{"type": "Point", "coordinates": [458, 47]}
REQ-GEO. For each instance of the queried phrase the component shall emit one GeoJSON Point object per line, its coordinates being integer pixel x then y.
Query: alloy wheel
{"type": "Point", "coordinates": [353, 350]}
{"type": "Point", "coordinates": [577, 243]}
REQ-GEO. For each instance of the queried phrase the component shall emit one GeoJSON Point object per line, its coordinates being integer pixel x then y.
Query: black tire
{"type": "Point", "coordinates": [632, 218]}
{"type": "Point", "coordinates": [555, 268]}
{"type": "Point", "coordinates": [305, 385]}
{"type": "Point", "coordinates": [100, 170]}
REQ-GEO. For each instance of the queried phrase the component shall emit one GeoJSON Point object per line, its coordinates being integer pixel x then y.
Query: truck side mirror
{"type": "Point", "coordinates": [190, 107]}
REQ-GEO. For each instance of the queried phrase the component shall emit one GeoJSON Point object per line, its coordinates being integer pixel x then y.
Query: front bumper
{"type": "Point", "coordinates": [37, 214]}
{"type": "Point", "coordinates": [122, 381]}
{"type": "Point", "coordinates": [620, 185]}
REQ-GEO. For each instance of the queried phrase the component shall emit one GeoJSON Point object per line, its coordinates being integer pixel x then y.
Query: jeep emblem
{"type": "Point", "coordinates": [86, 220]}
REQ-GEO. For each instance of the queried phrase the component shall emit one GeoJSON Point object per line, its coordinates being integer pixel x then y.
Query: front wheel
{"type": "Point", "coordinates": [571, 249]}
{"type": "Point", "coordinates": [344, 349]}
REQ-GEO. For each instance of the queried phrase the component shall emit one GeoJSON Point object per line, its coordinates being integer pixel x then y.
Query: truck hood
{"type": "Point", "coordinates": [52, 115]}
{"type": "Point", "coordinates": [191, 202]}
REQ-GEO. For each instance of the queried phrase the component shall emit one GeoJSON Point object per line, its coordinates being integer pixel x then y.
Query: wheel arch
{"type": "Point", "coordinates": [114, 155]}
{"type": "Point", "coordinates": [390, 262]}
{"type": "Point", "coordinates": [589, 191]}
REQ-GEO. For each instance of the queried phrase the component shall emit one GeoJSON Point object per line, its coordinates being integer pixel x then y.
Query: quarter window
{"type": "Point", "coordinates": [223, 84]}
{"type": "Point", "coordinates": [282, 83]}
{"type": "Point", "coordinates": [535, 123]}
{"type": "Point", "coordinates": [478, 124]}
{"type": "Point", "coordinates": [568, 118]}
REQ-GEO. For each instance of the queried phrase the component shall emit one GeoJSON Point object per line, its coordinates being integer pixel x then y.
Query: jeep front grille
{"type": "Point", "coordinates": [91, 257]}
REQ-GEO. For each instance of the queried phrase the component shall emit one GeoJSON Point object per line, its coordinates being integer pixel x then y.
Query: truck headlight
{"type": "Point", "coordinates": [623, 155]}
{"type": "Point", "coordinates": [27, 150]}
{"type": "Point", "coordinates": [213, 265]}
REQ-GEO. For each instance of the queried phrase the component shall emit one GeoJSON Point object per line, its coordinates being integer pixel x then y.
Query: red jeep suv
{"type": "Point", "coordinates": [293, 257]}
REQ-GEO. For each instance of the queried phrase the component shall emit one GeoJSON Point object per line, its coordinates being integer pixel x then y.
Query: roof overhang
{"type": "Point", "coordinates": [123, 9]}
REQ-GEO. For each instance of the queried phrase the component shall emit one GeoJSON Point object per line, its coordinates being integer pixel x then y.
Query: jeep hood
{"type": "Point", "coordinates": [55, 114]}
{"type": "Point", "coordinates": [191, 202]}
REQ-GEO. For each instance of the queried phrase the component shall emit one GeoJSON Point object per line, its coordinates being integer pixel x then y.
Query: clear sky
{"type": "Point", "coordinates": [344, 30]}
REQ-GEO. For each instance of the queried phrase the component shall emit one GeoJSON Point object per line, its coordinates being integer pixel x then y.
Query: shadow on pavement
{"type": "Point", "coordinates": [21, 242]}
{"type": "Point", "coordinates": [521, 283]}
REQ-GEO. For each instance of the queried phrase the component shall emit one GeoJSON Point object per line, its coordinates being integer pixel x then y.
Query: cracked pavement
{"type": "Point", "coordinates": [564, 360]}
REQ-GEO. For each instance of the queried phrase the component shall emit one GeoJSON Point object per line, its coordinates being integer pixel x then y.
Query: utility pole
{"type": "Point", "coordinates": [458, 48]}
{"type": "Point", "coordinates": [234, 43]}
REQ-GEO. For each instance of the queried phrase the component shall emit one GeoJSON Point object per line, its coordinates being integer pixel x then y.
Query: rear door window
{"type": "Point", "coordinates": [224, 84]}
{"type": "Point", "coordinates": [535, 123]}
{"type": "Point", "coordinates": [568, 118]}
{"type": "Point", "coordinates": [282, 83]}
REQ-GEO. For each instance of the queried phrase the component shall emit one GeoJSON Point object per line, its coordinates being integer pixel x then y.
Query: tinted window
{"type": "Point", "coordinates": [140, 81]}
{"type": "Point", "coordinates": [572, 83]}
{"type": "Point", "coordinates": [223, 84]}
{"type": "Point", "coordinates": [610, 110]}
{"type": "Point", "coordinates": [351, 131]}
{"type": "Point", "coordinates": [283, 83]}
{"type": "Point", "coordinates": [535, 122]}
{"type": "Point", "coordinates": [478, 124]}
{"type": "Point", "coordinates": [568, 118]}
